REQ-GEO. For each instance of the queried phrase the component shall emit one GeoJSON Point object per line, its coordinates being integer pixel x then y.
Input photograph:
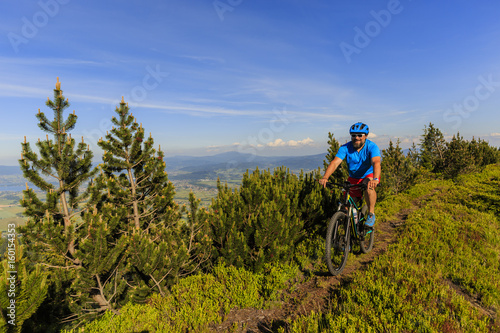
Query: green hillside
{"type": "Point", "coordinates": [121, 248]}
{"type": "Point", "coordinates": [441, 274]}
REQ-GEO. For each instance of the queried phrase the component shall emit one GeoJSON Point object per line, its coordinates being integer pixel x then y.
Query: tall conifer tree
{"type": "Point", "coordinates": [341, 173]}
{"type": "Point", "coordinates": [60, 169]}
{"type": "Point", "coordinates": [432, 149]}
{"type": "Point", "coordinates": [134, 182]}
{"type": "Point", "coordinates": [414, 156]}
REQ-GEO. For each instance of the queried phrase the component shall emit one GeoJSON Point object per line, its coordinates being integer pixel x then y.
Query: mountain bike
{"type": "Point", "coordinates": [347, 228]}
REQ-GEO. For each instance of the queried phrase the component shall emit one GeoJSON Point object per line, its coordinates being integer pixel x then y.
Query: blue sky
{"type": "Point", "coordinates": [260, 77]}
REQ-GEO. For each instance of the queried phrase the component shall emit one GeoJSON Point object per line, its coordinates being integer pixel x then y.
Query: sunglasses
{"type": "Point", "coordinates": [356, 135]}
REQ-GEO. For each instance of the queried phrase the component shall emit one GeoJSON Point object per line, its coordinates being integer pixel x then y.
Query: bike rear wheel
{"type": "Point", "coordinates": [337, 243]}
{"type": "Point", "coordinates": [366, 244]}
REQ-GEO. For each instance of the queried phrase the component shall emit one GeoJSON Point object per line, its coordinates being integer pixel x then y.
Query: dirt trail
{"type": "Point", "coordinates": [312, 295]}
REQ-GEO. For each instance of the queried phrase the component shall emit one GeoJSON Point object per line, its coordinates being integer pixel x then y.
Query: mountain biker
{"type": "Point", "coordinates": [363, 161]}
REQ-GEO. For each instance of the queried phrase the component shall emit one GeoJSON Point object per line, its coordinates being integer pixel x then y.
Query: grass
{"type": "Point", "coordinates": [10, 212]}
{"type": "Point", "coordinates": [442, 274]}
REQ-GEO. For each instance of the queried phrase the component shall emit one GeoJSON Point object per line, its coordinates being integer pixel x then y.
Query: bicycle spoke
{"type": "Point", "coordinates": [337, 243]}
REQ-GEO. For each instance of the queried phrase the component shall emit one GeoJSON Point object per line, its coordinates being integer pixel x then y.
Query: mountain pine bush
{"type": "Point", "coordinates": [263, 220]}
{"type": "Point", "coordinates": [30, 290]}
{"type": "Point", "coordinates": [399, 173]}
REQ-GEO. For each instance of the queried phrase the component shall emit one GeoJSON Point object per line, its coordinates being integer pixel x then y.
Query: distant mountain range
{"type": "Point", "coordinates": [190, 167]}
{"type": "Point", "coordinates": [235, 160]}
{"type": "Point", "coordinates": [211, 167]}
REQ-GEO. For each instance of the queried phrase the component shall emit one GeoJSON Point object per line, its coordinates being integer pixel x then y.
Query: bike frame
{"type": "Point", "coordinates": [337, 242]}
{"type": "Point", "coordinates": [348, 205]}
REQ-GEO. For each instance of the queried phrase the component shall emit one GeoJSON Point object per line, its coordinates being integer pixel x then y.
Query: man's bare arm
{"type": "Point", "coordinates": [334, 164]}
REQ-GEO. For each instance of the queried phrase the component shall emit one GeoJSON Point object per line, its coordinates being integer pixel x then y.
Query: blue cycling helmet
{"type": "Point", "coordinates": [359, 128]}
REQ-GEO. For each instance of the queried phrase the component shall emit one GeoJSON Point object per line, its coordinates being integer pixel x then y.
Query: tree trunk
{"type": "Point", "coordinates": [134, 200]}
{"type": "Point", "coordinates": [67, 221]}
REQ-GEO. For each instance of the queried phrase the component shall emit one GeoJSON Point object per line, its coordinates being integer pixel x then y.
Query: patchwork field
{"type": "Point", "coordinates": [10, 209]}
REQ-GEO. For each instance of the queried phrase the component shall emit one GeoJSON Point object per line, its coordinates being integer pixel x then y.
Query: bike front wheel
{"type": "Point", "coordinates": [337, 243]}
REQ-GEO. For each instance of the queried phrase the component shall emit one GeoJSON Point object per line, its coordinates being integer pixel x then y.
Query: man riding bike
{"type": "Point", "coordinates": [363, 161]}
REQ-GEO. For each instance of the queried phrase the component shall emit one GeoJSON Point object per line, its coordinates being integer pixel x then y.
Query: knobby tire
{"type": "Point", "coordinates": [337, 243]}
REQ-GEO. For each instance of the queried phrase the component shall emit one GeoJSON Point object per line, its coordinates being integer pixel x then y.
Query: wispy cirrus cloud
{"type": "Point", "coordinates": [13, 90]}
{"type": "Point", "coordinates": [50, 61]}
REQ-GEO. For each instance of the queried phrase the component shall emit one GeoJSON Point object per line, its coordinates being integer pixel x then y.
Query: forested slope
{"type": "Point", "coordinates": [440, 275]}
{"type": "Point", "coordinates": [107, 248]}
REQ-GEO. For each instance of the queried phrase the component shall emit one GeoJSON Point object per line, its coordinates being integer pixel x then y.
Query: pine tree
{"type": "Point", "coordinates": [196, 233]}
{"type": "Point", "coordinates": [432, 149]}
{"type": "Point", "coordinates": [134, 183]}
{"type": "Point", "coordinates": [101, 284]}
{"type": "Point", "coordinates": [458, 158]}
{"type": "Point", "coordinates": [136, 177]}
{"type": "Point", "coordinates": [482, 153]}
{"type": "Point", "coordinates": [67, 169]}
{"type": "Point", "coordinates": [341, 173]}
{"type": "Point", "coordinates": [462, 156]}
{"type": "Point", "coordinates": [330, 197]}
{"type": "Point", "coordinates": [414, 156]}
{"type": "Point", "coordinates": [399, 172]}
{"type": "Point", "coordinates": [61, 170]}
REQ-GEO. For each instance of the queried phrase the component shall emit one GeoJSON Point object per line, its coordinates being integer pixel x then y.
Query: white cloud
{"type": "Point", "coordinates": [495, 134]}
{"type": "Point", "coordinates": [290, 143]}
{"type": "Point", "coordinates": [277, 143]}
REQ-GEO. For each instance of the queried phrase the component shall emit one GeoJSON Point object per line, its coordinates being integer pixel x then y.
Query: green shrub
{"type": "Point", "coordinates": [263, 221]}
{"type": "Point", "coordinates": [199, 301]}
{"type": "Point", "coordinates": [399, 172]}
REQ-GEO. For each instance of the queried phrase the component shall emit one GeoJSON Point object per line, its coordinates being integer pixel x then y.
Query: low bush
{"type": "Point", "coordinates": [199, 301]}
{"type": "Point", "coordinates": [265, 219]}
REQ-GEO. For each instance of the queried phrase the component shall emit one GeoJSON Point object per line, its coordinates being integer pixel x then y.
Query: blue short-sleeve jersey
{"type": "Point", "coordinates": [359, 163]}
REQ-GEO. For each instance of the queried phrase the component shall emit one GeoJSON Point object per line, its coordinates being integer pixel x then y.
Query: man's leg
{"type": "Point", "coordinates": [371, 199]}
